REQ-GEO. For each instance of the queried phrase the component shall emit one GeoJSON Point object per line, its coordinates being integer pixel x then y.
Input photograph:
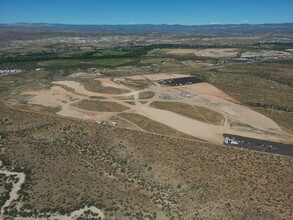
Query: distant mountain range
{"type": "Point", "coordinates": [155, 28]}
{"type": "Point", "coordinates": [23, 31]}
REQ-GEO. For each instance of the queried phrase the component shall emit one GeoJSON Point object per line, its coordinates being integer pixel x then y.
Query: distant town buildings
{"type": "Point", "coordinates": [107, 123]}
{"type": "Point", "coordinates": [10, 72]}
{"type": "Point", "coordinates": [39, 69]}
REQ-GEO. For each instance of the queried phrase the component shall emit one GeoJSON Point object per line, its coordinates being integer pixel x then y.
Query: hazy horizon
{"type": "Point", "coordinates": [128, 12]}
{"type": "Point", "coordinates": [46, 23]}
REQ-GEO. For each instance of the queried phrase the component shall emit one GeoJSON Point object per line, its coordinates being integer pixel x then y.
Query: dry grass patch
{"type": "Point", "coordinates": [125, 97]}
{"type": "Point", "coordinates": [153, 126]}
{"type": "Point", "coordinates": [96, 86]}
{"type": "Point", "coordinates": [131, 102]}
{"type": "Point", "coordinates": [195, 112]}
{"type": "Point", "coordinates": [100, 106]}
{"type": "Point", "coordinates": [122, 123]}
{"type": "Point", "coordinates": [255, 84]}
{"type": "Point", "coordinates": [283, 119]}
{"type": "Point", "coordinates": [146, 95]}
{"type": "Point", "coordinates": [97, 97]}
{"type": "Point", "coordinates": [137, 84]}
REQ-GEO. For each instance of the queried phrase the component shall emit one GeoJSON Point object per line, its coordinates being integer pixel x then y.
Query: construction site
{"type": "Point", "coordinates": [131, 111]}
{"type": "Point", "coordinates": [184, 103]}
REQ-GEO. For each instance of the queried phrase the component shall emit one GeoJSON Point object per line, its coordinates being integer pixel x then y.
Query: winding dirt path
{"type": "Point", "coordinates": [78, 213]}
{"type": "Point", "coordinates": [16, 187]}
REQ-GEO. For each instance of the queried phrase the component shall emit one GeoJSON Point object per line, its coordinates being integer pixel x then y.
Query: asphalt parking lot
{"type": "Point", "coordinates": [258, 145]}
{"type": "Point", "coordinates": [180, 81]}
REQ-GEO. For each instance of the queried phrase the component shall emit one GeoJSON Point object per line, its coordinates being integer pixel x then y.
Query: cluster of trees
{"type": "Point", "coordinates": [132, 52]}
{"type": "Point", "coordinates": [269, 106]}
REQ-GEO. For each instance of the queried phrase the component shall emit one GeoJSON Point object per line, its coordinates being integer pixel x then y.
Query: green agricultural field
{"type": "Point", "coordinates": [60, 63]}
{"type": "Point", "coordinates": [28, 65]}
{"type": "Point", "coordinates": [77, 53]}
{"type": "Point", "coordinates": [113, 62]}
{"type": "Point", "coordinates": [110, 62]}
{"type": "Point", "coordinates": [157, 60]}
{"type": "Point", "coordinates": [110, 53]}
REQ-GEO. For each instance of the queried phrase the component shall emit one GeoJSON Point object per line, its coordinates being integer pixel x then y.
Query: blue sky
{"type": "Point", "coordinates": [146, 11]}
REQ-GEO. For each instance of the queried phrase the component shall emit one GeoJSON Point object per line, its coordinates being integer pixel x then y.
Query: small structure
{"type": "Point", "coordinates": [99, 122]}
{"type": "Point", "coordinates": [231, 141]}
{"type": "Point", "coordinates": [106, 123]}
{"type": "Point", "coordinates": [39, 69]}
{"type": "Point", "coordinates": [112, 124]}
{"type": "Point", "coordinates": [10, 72]}
{"type": "Point", "coordinates": [234, 142]}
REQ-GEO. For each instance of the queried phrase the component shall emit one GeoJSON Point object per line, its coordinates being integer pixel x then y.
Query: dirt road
{"type": "Point", "coordinates": [240, 120]}
{"type": "Point", "coordinates": [16, 187]}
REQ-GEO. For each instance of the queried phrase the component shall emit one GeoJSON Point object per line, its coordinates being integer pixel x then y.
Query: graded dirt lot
{"type": "Point", "coordinates": [206, 125]}
{"type": "Point", "coordinates": [208, 89]}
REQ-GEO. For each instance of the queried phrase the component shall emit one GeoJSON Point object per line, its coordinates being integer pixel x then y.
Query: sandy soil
{"type": "Point", "coordinates": [78, 88]}
{"type": "Point", "coordinates": [189, 126]}
{"type": "Point", "coordinates": [206, 95]}
{"type": "Point", "coordinates": [107, 82]}
{"type": "Point", "coordinates": [54, 97]}
{"type": "Point", "coordinates": [201, 94]}
{"type": "Point", "coordinates": [237, 112]}
{"type": "Point", "coordinates": [204, 131]}
{"type": "Point", "coordinates": [74, 112]}
{"type": "Point", "coordinates": [215, 53]}
{"type": "Point", "coordinates": [207, 89]}
{"type": "Point", "coordinates": [59, 97]}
